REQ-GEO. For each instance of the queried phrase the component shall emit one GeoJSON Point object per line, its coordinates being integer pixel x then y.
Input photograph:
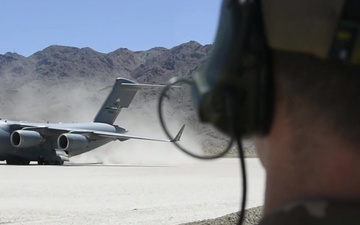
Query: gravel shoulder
{"type": "Point", "coordinates": [252, 216]}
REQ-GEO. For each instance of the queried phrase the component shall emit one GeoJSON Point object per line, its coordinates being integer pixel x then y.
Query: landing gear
{"type": "Point", "coordinates": [49, 162]}
{"type": "Point", "coordinates": [59, 162]}
{"type": "Point", "coordinates": [11, 162]}
{"type": "Point", "coordinates": [17, 161]}
{"type": "Point", "coordinates": [25, 162]}
{"type": "Point", "coordinates": [41, 161]}
{"type": "Point", "coordinates": [52, 162]}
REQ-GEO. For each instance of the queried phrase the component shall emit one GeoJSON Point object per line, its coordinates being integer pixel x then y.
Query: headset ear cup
{"type": "Point", "coordinates": [264, 80]}
{"type": "Point", "coordinates": [265, 106]}
{"type": "Point", "coordinates": [234, 88]}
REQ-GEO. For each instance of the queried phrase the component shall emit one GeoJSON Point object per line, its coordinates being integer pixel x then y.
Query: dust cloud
{"type": "Point", "coordinates": [141, 119]}
{"type": "Point", "coordinates": [39, 101]}
{"type": "Point", "coordinates": [78, 101]}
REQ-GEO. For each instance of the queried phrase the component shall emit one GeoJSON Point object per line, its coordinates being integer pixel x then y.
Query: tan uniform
{"type": "Point", "coordinates": [316, 212]}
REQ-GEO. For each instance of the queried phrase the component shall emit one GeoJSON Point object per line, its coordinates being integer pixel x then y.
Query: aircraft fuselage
{"type": "Point", "coordinates": [45, 150]}
{"type": "Point", "coordinates": [53, 143]}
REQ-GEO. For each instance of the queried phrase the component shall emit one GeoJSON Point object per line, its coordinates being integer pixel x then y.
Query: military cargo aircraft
{"type": "Point", "coordinates": [54, 143]}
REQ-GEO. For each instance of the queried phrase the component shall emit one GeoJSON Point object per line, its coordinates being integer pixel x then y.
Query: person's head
{"type": "Point", "coordinates": [313, 143]}
{"type": "Point", "coordinates": [319, 95]}
{"type": "Point", "coordinates": [291, 70]}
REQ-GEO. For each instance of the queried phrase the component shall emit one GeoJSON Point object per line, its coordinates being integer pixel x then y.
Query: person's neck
{"type": "Point", "coordinates": [323, 167]}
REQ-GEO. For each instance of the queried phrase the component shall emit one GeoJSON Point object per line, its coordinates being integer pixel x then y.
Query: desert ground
{"type": "Point", "coordinates": [132, 182]}
{"type": "Point", "coordinates": [84, 191]}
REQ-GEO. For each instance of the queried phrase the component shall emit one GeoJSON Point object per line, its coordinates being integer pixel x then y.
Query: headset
{"type": "Point", "coordinates": [234, 90]}
{"type": "Point", "coordinates": [240, 66]}
{"type": "Point", "coordinates": [239, 69]}
{"type": "Point", "coordinates": [346, 39]}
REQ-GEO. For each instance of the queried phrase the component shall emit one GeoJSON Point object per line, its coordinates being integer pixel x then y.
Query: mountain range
{"type": "Point", "coordinates": [55, 63]}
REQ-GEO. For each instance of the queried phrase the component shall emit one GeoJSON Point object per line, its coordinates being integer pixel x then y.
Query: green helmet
{"type": "Point", "coordinates": [325, 28]}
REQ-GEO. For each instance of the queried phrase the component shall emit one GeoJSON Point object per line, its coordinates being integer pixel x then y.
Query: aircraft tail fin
{"type": "Point", "coordinates": [120, 97]}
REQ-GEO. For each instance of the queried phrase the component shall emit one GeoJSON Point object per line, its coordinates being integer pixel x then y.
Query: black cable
{"type": "Point", "coordinates": [236, 133]}
{"type": "Point", "coordinates": [231, 105]}
{"type": "Point", "coordinates": [244, 181]}
{"type": "Point", "coordinates": [163, 94]}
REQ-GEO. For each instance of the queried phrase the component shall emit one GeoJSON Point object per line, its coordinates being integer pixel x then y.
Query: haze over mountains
{"type": "Point", "coordinates": [61, 79]}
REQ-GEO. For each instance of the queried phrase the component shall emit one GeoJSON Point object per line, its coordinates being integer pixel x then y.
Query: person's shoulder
{"type": "Point", "coordinates": [316, 212]}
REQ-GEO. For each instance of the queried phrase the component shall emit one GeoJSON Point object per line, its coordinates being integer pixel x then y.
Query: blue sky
{"type": "Point", "coordinates": [28, 26]}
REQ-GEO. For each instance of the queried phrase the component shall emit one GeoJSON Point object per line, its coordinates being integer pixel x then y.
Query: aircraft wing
{"type": "Point", "coordinates": [95, 133]}
{"type": "Point", "coordinates": [124, 137]}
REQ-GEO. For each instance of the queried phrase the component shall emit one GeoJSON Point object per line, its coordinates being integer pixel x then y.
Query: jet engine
{"type": "Point", "coordinates": [25, 138]}
{"type": "Point", "coordinates": [70, 142]}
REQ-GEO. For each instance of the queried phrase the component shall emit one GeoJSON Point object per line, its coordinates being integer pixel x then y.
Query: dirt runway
{"type": "Point", "coordinates": [125, 194]}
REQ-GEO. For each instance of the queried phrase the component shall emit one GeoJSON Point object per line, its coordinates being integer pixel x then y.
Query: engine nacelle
{"type": "Point", "coordinates": [70, 142]}
{"type": "Point", "coordinates": [25, 138]}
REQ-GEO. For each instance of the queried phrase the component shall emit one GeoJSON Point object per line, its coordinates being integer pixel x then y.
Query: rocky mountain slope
{"type": "Point", "coordinates": [56, 63]}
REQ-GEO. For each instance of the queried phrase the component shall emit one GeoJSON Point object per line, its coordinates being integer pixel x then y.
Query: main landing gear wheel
{"type": "Point", "coordinates": [10, 162]}
{"type": "Point", "coordinates": [17, 161]}
{"type": "Point", "coordinates": [25, 162]}
{"type": "Point", "coordinates": [59, 163]}
{"type": "Point", "coordinates": [41, 161]}
{"type": "Point", "coordinates": [53, 162]}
